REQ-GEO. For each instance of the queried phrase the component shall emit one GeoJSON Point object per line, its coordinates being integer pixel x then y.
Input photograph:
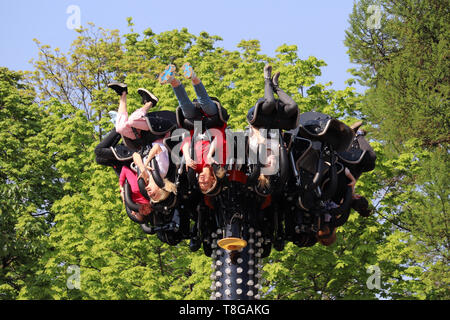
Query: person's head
{"type": "Point", "coordinates": [326, 237]}
{"type": "Point", "coordinates": [158, 194]}
{"type": "Point", "coordinates": [145, 209]}
{"type": "Point", "coordinates": [153, 190]}
{"type": "Point", "coordinates": [208, 178]}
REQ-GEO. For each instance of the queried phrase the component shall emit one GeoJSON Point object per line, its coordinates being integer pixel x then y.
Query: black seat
{"type": "Point", "coordinates": [159, 123]}
{"type": "Point", "coordinates": [122, 152]}
{"type": "Point", "coordinates": [321, 127]}
{"type": "Point", "coordinates": [274, 120]}
{"type": "Point", "coordinates": [208, 122]}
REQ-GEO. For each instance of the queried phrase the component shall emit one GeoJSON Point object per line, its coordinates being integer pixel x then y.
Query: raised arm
{"type": "Point", "coordinates": [187, 157]}
{"type": "Point", "coordinates": [140, 164]}
{"type": "Point", "coordinates": [212, 150]}
{"type": "Point", "coordinates": [156, 149]}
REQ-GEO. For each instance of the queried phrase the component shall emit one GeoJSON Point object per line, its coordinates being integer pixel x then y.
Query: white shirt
{"type": "Point", "coordinates": [162, 158]}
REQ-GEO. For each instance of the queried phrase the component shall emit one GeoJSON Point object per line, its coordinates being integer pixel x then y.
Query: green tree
{"type": "Point", "coordinates": [89, 227]}
{"type": "Point", "coordinates": [29, 185]}
{"type": "Point", "coordinates": [404, 63]}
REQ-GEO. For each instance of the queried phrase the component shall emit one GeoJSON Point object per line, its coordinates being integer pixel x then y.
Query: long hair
{"type": "Point", "coordinates": [220, 173]}
{"type": "Point", "coordinates": [263, 182]}
{"type": "Point", "coordinates": [169, 186]}
{"type": "Point", "coordinates": [163, 193]}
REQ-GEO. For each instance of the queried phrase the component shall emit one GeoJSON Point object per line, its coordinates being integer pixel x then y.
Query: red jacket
{"type": "Point", "coordinates": [201, 148]}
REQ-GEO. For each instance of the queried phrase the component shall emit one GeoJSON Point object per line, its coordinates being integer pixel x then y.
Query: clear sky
{"type": "Point", "coordinates": [317, 27]}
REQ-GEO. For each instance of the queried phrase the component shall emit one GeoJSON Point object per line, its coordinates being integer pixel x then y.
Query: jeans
{"type": "Point", "coordinates": [208, 106]}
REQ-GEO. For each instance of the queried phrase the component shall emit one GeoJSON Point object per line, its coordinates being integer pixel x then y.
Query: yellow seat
{"type": "Point", "coordinates": [232, 243]}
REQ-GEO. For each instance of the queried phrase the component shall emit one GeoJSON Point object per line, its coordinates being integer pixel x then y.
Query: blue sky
{"type": "Point", "coordinates": [316, 27]}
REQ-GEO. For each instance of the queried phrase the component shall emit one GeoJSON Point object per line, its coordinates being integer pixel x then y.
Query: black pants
{"type": "Point", "coordinates": [286, 109]}
{"type": "Point", "coordinates": [273, 113]}
{"type": "Point", "coordinates": [103, 153]}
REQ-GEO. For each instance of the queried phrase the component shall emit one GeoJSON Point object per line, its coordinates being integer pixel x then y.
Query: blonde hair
{"type": "Point", "coordinates": [169, 186]}
{"type": "Point", "coordinates": [220, 172]}
{"type": "Point", "coordinates": [263, 182]}
{"type": "Point", "coordinates": [163, 193]}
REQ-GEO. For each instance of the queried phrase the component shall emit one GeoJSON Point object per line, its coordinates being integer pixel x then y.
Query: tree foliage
{"type": "Point", "coordinates": [62, 209]}
{"type": "Point", "coordinates": [404, 63]}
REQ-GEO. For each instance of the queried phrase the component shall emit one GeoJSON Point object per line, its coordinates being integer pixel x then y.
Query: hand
{"type": "Point", "coordinates": [155, 150]}
{"type": "Point", "coordinates": [191, 164]}
{"type": "Point", "coordinates": [145, 209]}
{"type": "Point", "coordinates": [210, 160]}
{"type": "Point", "coordinates": [271, 160]}
{"type": "Point", "coordinates": [356, 196]}
{"type": "Point", "coordinates": [122, 194]}
{"type": "Point", "coordinates": [352, 179]}
{"type": "Point", "coordinates": [144, 175]}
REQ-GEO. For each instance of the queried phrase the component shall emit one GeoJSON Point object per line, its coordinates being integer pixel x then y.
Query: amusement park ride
{"type": "Point", "coordinates": [240, 220]}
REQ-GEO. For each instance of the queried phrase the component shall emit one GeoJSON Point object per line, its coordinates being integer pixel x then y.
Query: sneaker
{"type": "Point", "coordinates": [118, 87]}
{"type": "Point", "coordinates": [167, 75]}
{"type": "Point", "coordinates": [195, 244]}
{"type": "Point", "coordinates": [188, 71]}
{"type": "Point", "coordinates": [267, 71]}
{"type": "Point", "coordinates": [275, 80]}
{"type": "Point", "coordinates": [147, 96]}
{"type": "Point", "coordinates": [361, 205]}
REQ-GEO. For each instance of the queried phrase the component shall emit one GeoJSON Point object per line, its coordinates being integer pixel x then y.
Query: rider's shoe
{"type": "Point", "coordinates": [361, 205]}
{"type": "Point", "coordinates": [275, 80]}
{"type": "Point", "coordinates": [118, 87]}
{"type": "Point", "coordinates": [267, 72]}
{"type": "Point", "coordinates": [188, 71]}
{"type": "Point", "coordinates": [325, 236]}
{"type": "Point", "coordinates": [147, 96]}
{"type": "Point", "coordinates": [168, 74]}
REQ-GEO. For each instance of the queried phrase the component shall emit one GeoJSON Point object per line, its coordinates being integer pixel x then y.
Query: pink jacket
{"type": "Point", "coordinates": [125, 123]}
{"type": "Point", "coordinates": [131, 177]}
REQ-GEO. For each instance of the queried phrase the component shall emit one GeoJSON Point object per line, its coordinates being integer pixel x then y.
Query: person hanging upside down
{"type": "Point", "coordinates": [136, 196]}
{"type": "Point", "coordinates": [131, 126]}
{"type": "Point", "coordinates": [367, 163]}
{"type": "Point", "coordinates": [270, 113]}
{"type": "Point", "coordinates": [160, 153]}
{"type": "Point", "coordinates": [204, 150]}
